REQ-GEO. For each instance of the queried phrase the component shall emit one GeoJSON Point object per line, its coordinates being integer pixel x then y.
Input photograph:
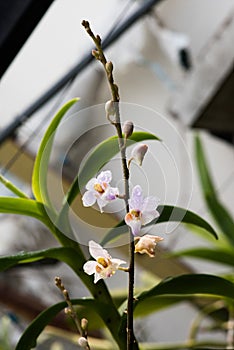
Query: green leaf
{"type": "Point", "coordinates": [168, 213]}
{"type": "Point", "coordinates": [103, 153]}
{"type": "Point", "coordinates": [29, 338]}
{"type": "Point", "coordinates": [206, 180]}
{"type": "Point", "coordinates": [154, 304]}
{"type": "Point", "coordinates": [60, 253]}
{"type": "Point", "coordinates": [218, 255]}
{"type": "Point", "coordinates": [76, 261]}
{"type": "Point", "coordinates": [10, 186]}
{"type": "Point", "coordinates": [23, 206]}
{"type": "Point", "coordinates": [39, 177]}
{"type": "Point", "coordinates": [190, 285]}
{"type": "Point", "coordinates": [179, 288]}
{"type": "Point", "coordinates": [68, 255]}
{"type": "Point", "coordinates": [217, 209]}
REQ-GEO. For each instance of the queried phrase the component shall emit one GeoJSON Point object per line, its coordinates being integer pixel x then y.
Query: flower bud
{"type": "Point", "coordinates": [109, 67]}
{"type": "Point", "coordinates": [95, 53]}
{"type": "Point", "coordinates": [147, 244]}
{"type": "Point", "coordinates": [99, 40]}
{"type": "Point", "coordinates": [128, 129]}
{"type": "Point", "coordinates": [84, 324]}
{"type": "Point", "coordinates": [110, 108]}
{"type": "Point", "coordinates": [83, 342]}
{"type": "Point", "coordinates": [138, 153]}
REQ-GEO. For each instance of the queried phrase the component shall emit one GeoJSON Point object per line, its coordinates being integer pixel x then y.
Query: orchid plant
{"type": "Point", "coordinates": [140, 211]}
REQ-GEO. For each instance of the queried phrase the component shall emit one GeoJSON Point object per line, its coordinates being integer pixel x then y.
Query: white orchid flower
{"type": "Point", "coordinates": [104, 265]}
{"type": "Point", "coordinates": [99, 189]}
{"type": "Point", "coordinates": [142, 210]}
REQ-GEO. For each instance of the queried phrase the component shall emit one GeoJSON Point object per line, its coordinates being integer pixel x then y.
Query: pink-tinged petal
{"type": "Point", "coordinates": [96, 251]}
{"type": "Point", "coordinates": [148, 216]}
{"type": "Point", "coordinates": [134, 224]}
{"type": "Point", "coordinates": [88, 199]}
{"type": "Point", "coordinates": [90, 184]}
{"type": "Point", "coordinates": [147, 244]}
{"type": "Point", "coordinates": [136, 200]}
{"type": "Point", "coordinates": [90, 267]}
{"type": "Point", "coordinates": [111, 193]}
{"type": "Point", "coordinates": [104, 177]}
{"type": "Point", "coordinates": [150, 203]}
{"type": "Point", "coordinates": [128, 218]}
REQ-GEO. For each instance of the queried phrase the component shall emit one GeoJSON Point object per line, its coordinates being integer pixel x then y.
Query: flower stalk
{"type": "Point", "coordinates": [81, 326]}
{"type": "Point", "coordinates": [115, 113]}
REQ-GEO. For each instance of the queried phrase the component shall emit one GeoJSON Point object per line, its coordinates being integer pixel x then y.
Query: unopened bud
{"type": "Point", "coordinates": [65, 293]}
{"type": "Point", "coordinates": [67, 310]}
{"type": "Point", "coordinates": [84, 324]}
{"type": "Point", "coordinates": [138, 153]}
{"type": "Point", "coordinates": [85, 24]}
{"type": "Point", "coordinates": [128, 129]}
{"type": "Point", "coordinates": [83, 342]}
{"type": "Point", "coordinates": [109, 67]}
{"type": "Point", "coordinates": [95, 54]}
{"type": "Point", "coordinates": [110, 108]}
{"type": "Point", "coordinates": [98, 39]}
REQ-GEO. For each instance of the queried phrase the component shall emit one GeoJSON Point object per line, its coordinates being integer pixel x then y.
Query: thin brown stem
{"type": "Point", "coordinates": [108, 67]}
{"type": "Point", "coordinates": [72, 313]}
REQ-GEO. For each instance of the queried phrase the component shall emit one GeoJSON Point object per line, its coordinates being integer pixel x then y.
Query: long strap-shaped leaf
{"type": "Point", "coordinates": [217, 209]}
{"type": "Point", "coordinates": [70, 256]}
{"type": "Point", "coordinates": [191, 284]}
{"type": "Point", "coordinates": [168, 213]}
{"type": "Point", "coordinates": [29, 338]}
{"type": "Point", "coordinates": [40, 171]}
{"type": "Point", "coordinates": [23, 206]}
{"type": "Point", "coordinates": [185, 285]}
{"type": "Point", "coordinates": [219, 255]}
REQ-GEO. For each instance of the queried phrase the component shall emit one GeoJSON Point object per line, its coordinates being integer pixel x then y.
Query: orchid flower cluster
{"type": "Point", "coordinates": [142, 211]}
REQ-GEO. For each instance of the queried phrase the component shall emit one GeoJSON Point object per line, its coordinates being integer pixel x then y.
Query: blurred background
{"type": "Point", "coordinates": [173, 63]}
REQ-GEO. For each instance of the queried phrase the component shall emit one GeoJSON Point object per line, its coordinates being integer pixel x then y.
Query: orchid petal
{"type": "Point", "coordinates": [90, 184]}
{"type": "Point", "coordinates": [111, 193]}
{"type": "Point", "coordinates": [101, 203]}
{"type": "Point", "coordinates": [148, 216]}
{"type": "Point", "coordinates": [133, 223]}
{"type": "Point", "coordinates": [136, 200]}
{"type": "Point", "coordinates": [96, 251]}
{"type": "Point", "coordinates": [88, 199]}
{"type": "Point", "coordinates": [104, 176]}
{"type": "Point", "coordinates": [90, 267]}
{"type": "Point", "coordinates": [150, 203]}
{"type": "Point", "coordinates": [97, 277]}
